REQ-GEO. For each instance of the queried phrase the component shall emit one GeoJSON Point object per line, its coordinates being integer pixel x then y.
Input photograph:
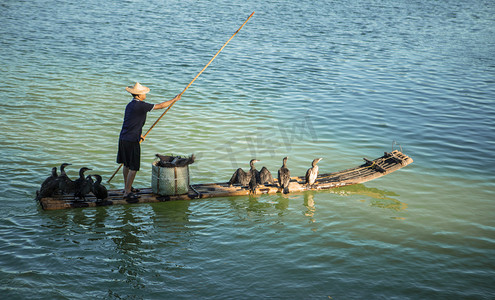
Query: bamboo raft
{"type": "Point", "coordinates": [371, 169]}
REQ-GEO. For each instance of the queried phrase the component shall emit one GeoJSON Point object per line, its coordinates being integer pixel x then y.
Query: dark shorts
{"type": "Point", "coordinates": [129, 154]}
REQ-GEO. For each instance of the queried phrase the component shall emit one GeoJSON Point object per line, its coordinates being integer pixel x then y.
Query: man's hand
{"type": "Point", "coordinates": [142, 139]}
{"type": "Point", "coordinates": [177, 98]}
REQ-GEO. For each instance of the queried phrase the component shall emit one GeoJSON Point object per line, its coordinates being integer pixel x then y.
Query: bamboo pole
{"type": "Point", "coordinates": [190, 83]}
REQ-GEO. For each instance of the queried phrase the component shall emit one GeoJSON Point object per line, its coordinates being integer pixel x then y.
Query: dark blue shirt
{"type": "Point", "coordinates": [134, 119]}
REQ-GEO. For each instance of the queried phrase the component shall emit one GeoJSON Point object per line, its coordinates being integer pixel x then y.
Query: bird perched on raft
{"type": "Point", "coordinates": [98, 189]}
{"type": "Point", "coordinates": [49, 185]}
{"type": "Point", "coordinates": [312, 173]}
{"type": "Point", "coordinates": [266, 176]}
{"type": "Point", "coordinates": [252, 178]}
{"type": "Point", "coordinates": [263, 177]}
{"type": "Point", "coordinates": [242, 177]}
{"type": "Point", "coordinates": [65, 184]}
{"type": "Point", "coordinates": [82, 186]}
{"type": "Point", "coordinates": [284, 176]}
{"type": "Point", "coordinates": [56, 184]}
{"type": "Point", "coordinates": [50, 179]}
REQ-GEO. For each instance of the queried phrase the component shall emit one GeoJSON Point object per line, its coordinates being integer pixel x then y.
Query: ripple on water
{"type": "Point", "coordinates": [342, 85]}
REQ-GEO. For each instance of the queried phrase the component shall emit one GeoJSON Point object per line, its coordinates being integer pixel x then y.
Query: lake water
{"type": "Point", "coordinates": [340, 80]}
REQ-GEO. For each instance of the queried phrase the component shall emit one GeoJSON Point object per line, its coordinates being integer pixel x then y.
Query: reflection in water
{"type": "Point", "coordinates": [77, 225]}
{"type": "Point", "coordinates": [309, 202]}
{"type": "Point", "coordinates": [127, 238]}
{"type": "Point", "coordinates": [257, 206]}
{"type": "Point", "coordinates": [116, 231]}
{"type": "Point", "coordinates": [381, 199]}
{"type": "Point", "coordinates": [260, 205]}
{"type": "Point", "coordinates": [100, 217]}
{"type": "Point", "coordinates": [128, 244]}
{"type": "Point", "coordinates": [282, 203]}
{"type": "Point", "coordinates": [174, 213]}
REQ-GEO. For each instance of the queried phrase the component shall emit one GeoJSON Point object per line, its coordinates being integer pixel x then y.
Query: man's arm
{"type": "Point", "coordinates": [167, 103]}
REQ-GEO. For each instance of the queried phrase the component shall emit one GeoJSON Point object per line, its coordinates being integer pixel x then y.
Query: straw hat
{"type": "Point", "coordinates": [137, 89]}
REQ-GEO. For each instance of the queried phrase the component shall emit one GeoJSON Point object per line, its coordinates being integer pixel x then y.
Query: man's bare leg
{"type": "Point", "coordinates": [125, 171]}
{"type": "Point", "coordinates": [129, 176]}
{"type": "Point", "coordinates": [128, 181]}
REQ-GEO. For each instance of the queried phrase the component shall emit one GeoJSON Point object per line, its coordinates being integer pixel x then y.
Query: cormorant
{"type": "Point", "coordinates": [99, 190]}
{"type": "Point", "coordinates": [49, 186]}
{"type": "Point", "coordinates": [242, 177]}
{"type": "Point", "coordinates": [49, 179]}
{"type": "Point", "coordinates": [284, 176]}
{"type": "Point", "coordinates": [266, 176]}
{"type": "Point", "coordinates": [82, 186]}
{"type": "Point", "coordinates": [254, 177]}
{"type": "Point", "coordinates": [312, 173]}
{"type": "Point", "coordinates": [174, 161]}
{"type": "Point", "coordinates": [65, 184]}
{"type": "Point", "coordinates": [87, 186]}
{"type": "Point", "coordinates": [239, 177]}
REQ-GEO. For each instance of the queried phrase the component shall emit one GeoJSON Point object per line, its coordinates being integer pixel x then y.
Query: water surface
{"type": "Point", "coordinates": [335, 80]}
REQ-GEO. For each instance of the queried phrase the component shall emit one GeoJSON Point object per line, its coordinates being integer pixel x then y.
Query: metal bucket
{"type": "Point", "coordinates": [169, 181]}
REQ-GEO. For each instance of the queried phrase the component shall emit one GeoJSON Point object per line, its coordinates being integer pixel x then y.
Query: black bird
{"type": "Point", "coordinates": [242, 177]}
{"type": "Point", "coordinates": [174, 161]}
{"type": "Point", "coordinates": [284, 176]}
{"type": "Point", "coordinates": [49, 186]}
{"type": "Point", "coordinates": [254, 177]}
{"type": "Point", "coordinates": [266, 176]}
{"type": "Point", "coordinates": [51, 178]}
{"type": "Point", "coordinates": [99, 190]}
{"type": "Point", "coordinates": [87, 186]}
{"type": "Point", "coordinates": [82, 186]}
{"type": "Point", "coordinates": [65, 184]}
{"type": "Point", "coordinates": [312, 173]}
{"type": "Point", "coordinates": [239, 177]}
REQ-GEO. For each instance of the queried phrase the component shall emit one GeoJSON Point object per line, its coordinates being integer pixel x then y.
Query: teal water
{"type": "Point", "coordinates": [338, 80]}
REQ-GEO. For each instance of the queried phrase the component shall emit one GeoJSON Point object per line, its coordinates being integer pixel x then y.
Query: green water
{"type": "Point", "coordinates": [306, 79]}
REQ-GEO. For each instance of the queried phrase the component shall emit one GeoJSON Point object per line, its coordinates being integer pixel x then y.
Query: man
{"type": "Point", "coordinates": [129, 153]}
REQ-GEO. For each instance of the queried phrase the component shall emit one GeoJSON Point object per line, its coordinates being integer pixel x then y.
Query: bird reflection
{"type": "Point", "coordinates": [282, 203]}
{"type": "Point", "coordinates": [309, 202]}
